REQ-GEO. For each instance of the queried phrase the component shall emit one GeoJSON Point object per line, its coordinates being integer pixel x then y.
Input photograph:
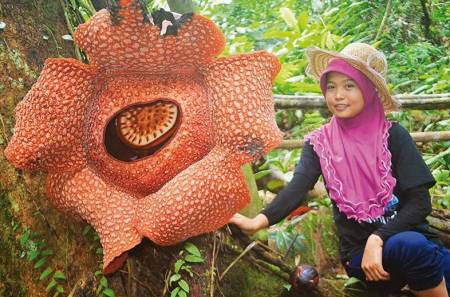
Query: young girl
{"type": "Point", "coordinates": [375, 177]}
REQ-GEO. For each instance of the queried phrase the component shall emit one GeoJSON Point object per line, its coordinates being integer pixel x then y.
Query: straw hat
{"type": "Point", "coordinates": [363, 57]}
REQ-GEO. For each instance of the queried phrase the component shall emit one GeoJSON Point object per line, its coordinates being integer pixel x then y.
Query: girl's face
{"type": "Point", "coordinates": [343, 96]}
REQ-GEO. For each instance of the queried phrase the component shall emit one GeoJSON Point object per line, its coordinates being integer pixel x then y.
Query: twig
{"type": "Point", "coordinates": [140, 283]}
{"type": "Point", "coordinates": [212, 270]}
{"type": "Point", "coordinates": [130, 275]}
{"type": "Point", "coordinates": [247, 249]}
{"type": "Point", "coordinates": [4, 129]}
{"type": "Point", "coordinates": [383, 22]}
{"type": "Point", "coordinates": [70, 27]}
{"type": "Point", "coordinates": [270, 257]}
{"type": "Point", "coordinates": [290, 247]}
{"type": "Point", "coordinates": [166, 283]}
{"type": "Point", "coordinates": [437, 157]}
{"type": "Point", "coordinates": [269, 249]}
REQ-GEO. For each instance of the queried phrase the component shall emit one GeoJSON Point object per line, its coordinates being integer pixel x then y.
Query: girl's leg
{"type": "Point", "coordinates": [420, 262]}
{"type": "Point", "coordinates": [439, 291]}
{"type": "Point", "coordinates": [410, 259]}
{"type": "Point", "coordinates": [353, 268]}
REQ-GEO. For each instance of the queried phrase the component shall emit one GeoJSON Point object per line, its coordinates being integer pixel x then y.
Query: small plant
{"type": "Point", "coordinates": [189, 255]}
{"type": "Point", "coordinates": [34, 250]}
{"type": "Point", "coordinates": [102, 287]}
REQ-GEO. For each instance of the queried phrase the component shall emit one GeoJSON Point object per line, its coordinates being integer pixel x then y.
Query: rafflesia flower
{"type": "Point", "coordinates": [148, 139]}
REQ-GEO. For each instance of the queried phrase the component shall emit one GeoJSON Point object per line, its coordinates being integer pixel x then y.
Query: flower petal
{"type": "Point", "coordinates": [134, 45]}
{"type": "Point", "coordinates": [200, 199]}
{"type": "Point", "coordinates": [109, 210]}
{"type": "Point", "coordinates": [49, 120]}
{"type": "Point", "coordinates": [240, 88]}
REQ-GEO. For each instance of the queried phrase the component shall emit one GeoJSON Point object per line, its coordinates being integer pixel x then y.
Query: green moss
{"type": "Point", "coordinates": [11, 284]}
{"type": "Point", "coordinates": [245, 280]}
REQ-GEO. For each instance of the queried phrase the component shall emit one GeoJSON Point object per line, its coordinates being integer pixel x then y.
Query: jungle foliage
{"type": "Point", "coordinates": [414, 35]}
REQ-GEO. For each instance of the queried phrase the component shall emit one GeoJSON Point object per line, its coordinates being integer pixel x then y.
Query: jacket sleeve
{"type": "Point", "coordinates": [413, 212]}
{"type": "Point", "coordinates": [413, 181]}
{"type": "Point", "coordinates": [305, 177]}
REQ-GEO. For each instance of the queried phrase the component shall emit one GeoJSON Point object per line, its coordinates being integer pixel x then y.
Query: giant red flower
{"type": "Point", "coordinates": [148, 139]}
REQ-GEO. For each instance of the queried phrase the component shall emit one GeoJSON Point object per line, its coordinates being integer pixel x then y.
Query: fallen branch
{"type": "Point", "coordinates": [416, 136]}
{"type": "Point", "coordinates": [431, 101]}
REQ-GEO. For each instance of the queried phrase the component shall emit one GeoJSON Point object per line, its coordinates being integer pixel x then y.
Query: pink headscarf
{"type": "Point", "coordinates": [353, 153]}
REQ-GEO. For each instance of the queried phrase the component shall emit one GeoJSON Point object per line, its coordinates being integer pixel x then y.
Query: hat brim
{"type": "Point", "coordinates": [319, 60]}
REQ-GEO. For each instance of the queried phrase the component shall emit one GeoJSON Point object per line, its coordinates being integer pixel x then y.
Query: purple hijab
{"type": "Point", "coordinates": [353, 153]}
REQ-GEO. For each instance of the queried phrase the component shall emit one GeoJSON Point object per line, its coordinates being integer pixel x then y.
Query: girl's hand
{"type": "Point", "coordinates": [247, 225]}
{"type": "Point", "coordinates": [372, 264]}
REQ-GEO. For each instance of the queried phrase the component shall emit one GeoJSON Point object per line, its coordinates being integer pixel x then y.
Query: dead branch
{"type": "Point", "coordinates": [425, 102]}
{"type": "Point", "coordinates": [416, 136]}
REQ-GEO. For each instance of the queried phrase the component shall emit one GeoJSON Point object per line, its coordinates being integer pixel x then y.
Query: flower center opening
{"type": "Point", "coordinates": [141, 130]}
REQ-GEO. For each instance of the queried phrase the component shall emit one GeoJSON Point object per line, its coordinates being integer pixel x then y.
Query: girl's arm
{"type": "Point", "coordinates": [415, 208]}
{"type": "Point", "coordinates": [413, 181]}
{"type": "Point", "coordinates": [306, 175]}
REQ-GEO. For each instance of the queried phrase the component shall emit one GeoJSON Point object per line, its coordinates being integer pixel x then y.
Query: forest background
{"type": "Point", "coordinates": [414, 34]}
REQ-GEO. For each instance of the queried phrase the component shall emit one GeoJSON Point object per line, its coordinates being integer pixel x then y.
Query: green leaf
{"type": "Point", "coordinates": [287, 71]}
{"type": "Point", "coordinates": [182, 293]}
{"type": "Point", "coordinates": [104, 282]}
{"type": "Point", "coordinates": [174, 278]}
{"type": "Point", "coordinates": [263, 173]}
{"type": "Point", "coordinates": [194, 259]}
{"type": "Point", "coordinates": [99, 289]}
{"type": "Point", "coordinates": [24, 238]}
{"type": "Point", "coordinates": [192, 249]}
{"type": "Point", "coordinates": [59, 275]}
{"type": "Point", "coordinates": [275, 184]}
{"type": "Point", "coordinates": [287, 287]}
{"type": "Point", "coordinates": [303, 20]}
{"type": "Point", "coordinates": [60, 289]}
{"type": "Point", "coordinates": [184, 285]}
{"type": "Point", "coordinates": [45, 273]}
{"type": "Point", "coordinates": [175, 292]}
{"type": "Point", "coordinates": [50, 285]}
{"type": "Point", "coordinates": [289, 17]}
{"type": "Point", "coordinates": [33, 255]}
{"type": "Point", "coordinates": [40, 263]}
{"type": "Point", "coordinates": [352, 281]}
{"type": "Point", "coordinates": [178, 265]}
{"type": "Point", "coordinates": [86, 230]}
{"type": "Point", "coordinates": [47, 253]}
{"type": "Point", "coordinates": [109, 292]}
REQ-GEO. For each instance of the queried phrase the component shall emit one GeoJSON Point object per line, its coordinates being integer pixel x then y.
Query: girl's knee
{"type": "Point", "coordinates": [406, 241]}
{"type": "Point", "coordinates": [409, 248]}
{"type": "Point", "coordinates": [413, 257]}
